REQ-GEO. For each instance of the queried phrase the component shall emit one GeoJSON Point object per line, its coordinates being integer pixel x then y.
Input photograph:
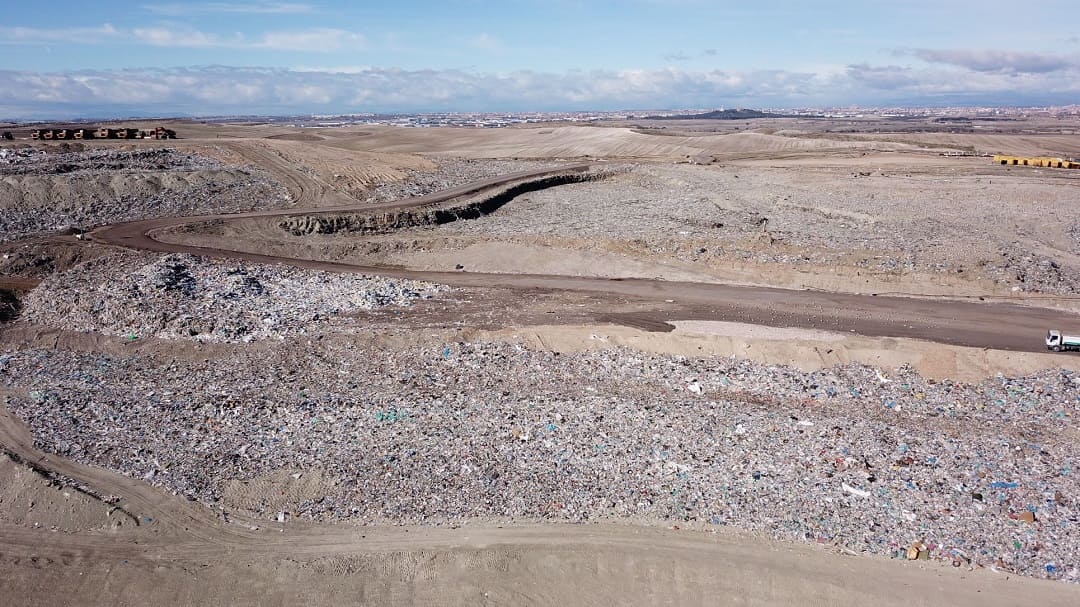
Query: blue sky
{"type": "Point", "coordinates": [116, 57]}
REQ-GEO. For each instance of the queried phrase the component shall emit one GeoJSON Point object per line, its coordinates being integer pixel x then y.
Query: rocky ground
{"type": "Point", "coordinates": [447, 432]}
{"type": "Point", "coordinates": [451, 172]}
{"type": "Point", "coordinates": [959, 222]}
{"type": "Point", "coordinates": [262, 372]}
{"type": "Point", "coordinates": [66, 189]}
{"type": "Point", "coordinates": [183, 297]}
{"type": "Point", "coordinates": [37, 161]}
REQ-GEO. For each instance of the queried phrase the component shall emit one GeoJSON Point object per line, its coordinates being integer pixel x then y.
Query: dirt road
{"type": "Point", "coordinates": [172, 551]}
{"type": "Point", "coordinates": [985, 325]}
{"type": "Point", "coordinates": [184, 554]}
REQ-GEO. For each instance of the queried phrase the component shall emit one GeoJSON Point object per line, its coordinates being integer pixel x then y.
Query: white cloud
{"type": "Point", "coordinates": [486, 42]}
{"type": "Point", "coordinates": [172, 37]}
{"type": "Point", "coordinates": [250, 8]}
{"type": "Point", "coordinates": [992, 60]}
{"type": "Point", "coordinates": [307, 40]}
{"type": "Point", "coordinates": [35, 36]}
{"type": "Point", "coordinates": [234, 90]}
{"type": "Point", "coordinates": [319, 39]}
{"type": "Point", "coordinates": [313, 40]}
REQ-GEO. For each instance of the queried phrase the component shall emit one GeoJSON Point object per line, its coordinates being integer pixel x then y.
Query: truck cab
{"type": "Point", "coordinates": [1057, 342]}
{"type": "Point", "coordinates": [1053, 340]}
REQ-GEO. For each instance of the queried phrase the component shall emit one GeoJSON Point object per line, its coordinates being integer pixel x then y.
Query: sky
{"type": "Point", "coordinates": [67, 59]}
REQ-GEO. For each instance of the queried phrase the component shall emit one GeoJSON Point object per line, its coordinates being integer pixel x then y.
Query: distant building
{"type": "Point", "coordinates": [1037, 161]}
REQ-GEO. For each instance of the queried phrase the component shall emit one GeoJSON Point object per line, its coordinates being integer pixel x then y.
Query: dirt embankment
{"type": "Point", "coordinates": [9, 305]}
{"type": "Point", "coordinates": [392, 416]}
{"type": "Point", "coordinates": [407, 218]}
{"type": "Point", "coordinates": [51, 190]}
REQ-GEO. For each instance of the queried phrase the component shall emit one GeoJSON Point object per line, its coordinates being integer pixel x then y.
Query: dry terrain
{"type": "Point", "coordinates": [755, 362]}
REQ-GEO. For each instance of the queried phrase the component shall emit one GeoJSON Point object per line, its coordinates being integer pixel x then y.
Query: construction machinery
{"type": "Point", "coordinates": [102, 133]}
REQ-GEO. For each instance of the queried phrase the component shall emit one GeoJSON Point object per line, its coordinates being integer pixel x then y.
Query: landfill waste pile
{"type": "Point", "coordinates": [895, 464]}
{"type": "Point", "coordinates": [452, 172]}
{"type": "Point", "coordinates": [77, 190]}
{"type": "Point", "coordinates": [722, 215]}
{"type": "Point", "coordinates": [20, 156]}
{"type": "Point", "coordinates": [140, 295]}
{"type": "Point", "coordinates": [30, 161]}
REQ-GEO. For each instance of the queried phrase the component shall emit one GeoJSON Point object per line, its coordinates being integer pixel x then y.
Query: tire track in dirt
{"type": "Point", "coordinates": [993, 325]}
{"type": "Point", "coordinates": [304, 189]}
{"type": "Point", "coordinates": [947, 321]}
{"type": "Point", "coordinates": [179, 530]}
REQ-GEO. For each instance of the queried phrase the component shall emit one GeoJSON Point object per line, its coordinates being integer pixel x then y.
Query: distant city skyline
{"type": "Point", "coordinates": [111, 58]}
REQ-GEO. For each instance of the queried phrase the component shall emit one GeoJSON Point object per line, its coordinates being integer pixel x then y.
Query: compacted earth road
{"type": "Point", "coordinates": [948, 321]}
{"type": "Point", "coordinates": [160, 548]}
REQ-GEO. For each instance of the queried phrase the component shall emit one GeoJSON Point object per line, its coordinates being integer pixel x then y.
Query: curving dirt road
{"type": "Point", "coordinates": [181, 552]}
{"type": "Point", "coordinates": [186, 554]}
{"type": "Point", "coordinates": [984, 325]}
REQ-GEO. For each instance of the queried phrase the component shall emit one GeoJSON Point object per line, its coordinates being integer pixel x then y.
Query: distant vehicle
{"type": "Point", "coordinates": [1057, 342]}
{"type": "Point", "coordinates": [7, 136]}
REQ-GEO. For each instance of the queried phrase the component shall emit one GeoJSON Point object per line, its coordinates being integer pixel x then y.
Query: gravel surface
{"type": "Point", "coordinates": [978, 474]}
{"type": "Point", "coordinates": [448, 431]}
{"type": "Point", "coordinates": [952, 221]}
{"type": "Point", "coordinates": [47, 192]}
{"type": "Point", "coordinates": [94, 161]}
{"type": "Point", "coordinates": [452, 172]}
{"type": "Point", "coordinates": [185, 297]}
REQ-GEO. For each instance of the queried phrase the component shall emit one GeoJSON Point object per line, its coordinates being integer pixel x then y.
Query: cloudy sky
{"type": "Point", "coordinates": [119, 58]}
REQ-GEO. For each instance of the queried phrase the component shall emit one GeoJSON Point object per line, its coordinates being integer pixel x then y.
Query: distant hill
{"type": "Point", "coordinates": [722, 115]}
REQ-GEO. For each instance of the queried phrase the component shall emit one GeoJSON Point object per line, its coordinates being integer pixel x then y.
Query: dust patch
{"type": "Point", "coordinates": [280, 491]}
{"type": "Point", "coordinates": [297, 137]}
{"type": "Point", "coordinates": [516, 258]}
{"type": "Point", "coordinates": [808, 350]}
{"type": "Point", "coordinates": [9, 305]}
{"type": "Point", "coordinates": [28, 499]}
{"type": "Point", "coordinates": [748, 331]}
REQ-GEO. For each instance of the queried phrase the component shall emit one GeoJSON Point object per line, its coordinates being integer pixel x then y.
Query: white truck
{"type": "Point", "coordinates": [1057, 342]}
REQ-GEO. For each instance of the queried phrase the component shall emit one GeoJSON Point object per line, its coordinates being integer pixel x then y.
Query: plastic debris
{"type": "Point", "coordinates": [853, 491]}
{"type": "Point", "coordinates": [408, 437]}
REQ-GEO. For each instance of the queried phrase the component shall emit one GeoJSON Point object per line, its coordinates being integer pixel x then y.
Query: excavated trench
{"type": "Point", "coordinates": [379, 223]}
{"type": "Point", "coordinates": [10, 306]}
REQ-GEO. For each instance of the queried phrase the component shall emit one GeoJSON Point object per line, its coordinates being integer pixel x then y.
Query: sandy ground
{"type": "Point", "coordinates": [123, 542]}
{"type": "Point", "coordinates": [900, 224]}
{"type": "Point", "coordinates": [180, 555]}
{"type": "Point", "coordinates": [593, 565]}
{"type": "Point", "coordinates": [805, 349]}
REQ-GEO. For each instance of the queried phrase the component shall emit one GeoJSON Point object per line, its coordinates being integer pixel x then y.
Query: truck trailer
{"type": "Point", "coordinates": [1058, 343]}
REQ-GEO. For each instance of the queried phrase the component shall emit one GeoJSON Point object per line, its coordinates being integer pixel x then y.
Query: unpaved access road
{"type": "Point", "coordinates": [181, 553]}
{"type": "Point", "coordinates": [999, 326]}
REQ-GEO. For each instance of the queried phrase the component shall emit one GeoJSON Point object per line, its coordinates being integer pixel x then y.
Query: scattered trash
{"type": "Point", "coordinates": [917, 550]}
{"type": "Point", "coordinates": [853, 491]}
{"type": "Point", "coordinates": [145, 183]}
{"type": "Point", "coordinates": [391, 415]}
{"type": "Point", "coordinates": [408, 438]}
{"type": "Point", "coordinates": [192, 298]}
